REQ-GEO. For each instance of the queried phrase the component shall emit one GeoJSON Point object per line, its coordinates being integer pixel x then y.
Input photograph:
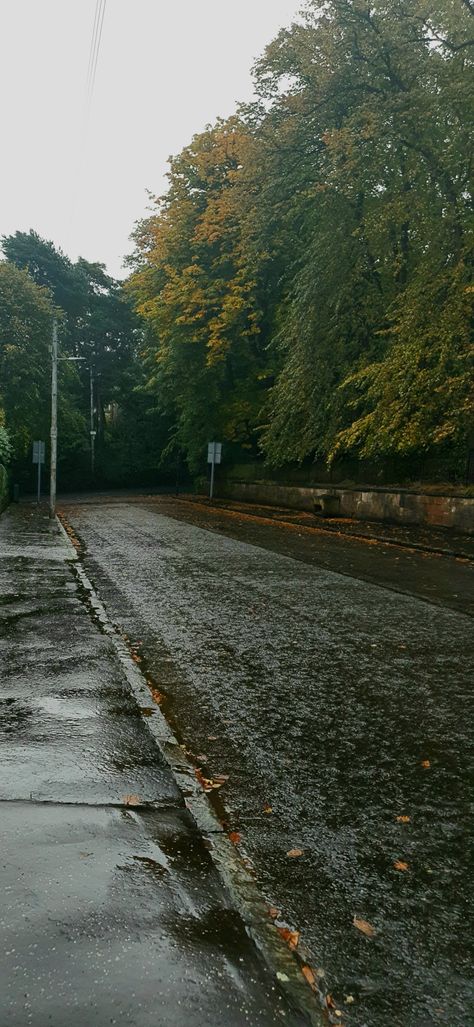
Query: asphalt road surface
{"type": "Point", "coordinates": [341, 710]}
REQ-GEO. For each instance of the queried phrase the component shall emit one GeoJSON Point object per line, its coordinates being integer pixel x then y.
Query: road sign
{"type": "Point", "coordinates": [214, 453]}
{"type": "Point", "coordinates": [38, 452]}
{"type": "Point", "coordinates": [214, 456]}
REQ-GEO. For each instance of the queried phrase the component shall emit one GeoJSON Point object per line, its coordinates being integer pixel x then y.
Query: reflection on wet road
{"type": "Point", "coordinates": [339, 705]}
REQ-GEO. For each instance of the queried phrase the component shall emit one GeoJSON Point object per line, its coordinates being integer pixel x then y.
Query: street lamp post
{"type": "Point", "coordinates": [54, 418]}
{"type": "Point", "coordinates": [92, 430]}
{"type": "Point", "coordinates": [54, 421]}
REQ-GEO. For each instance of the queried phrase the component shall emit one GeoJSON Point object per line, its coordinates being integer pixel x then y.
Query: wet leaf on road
{"type": "Point", "coordinates": [309, 975]}
{"type": "Point", "coordinates": [211, 784]}
{"type": "Point", "coordinates": [157, 696]}
{"type": "Point", "coordinates": [273, 912]}
{"type": "Point", "coordinates": [294, 853]}
{"type": "Point", "coordinates": [426, 764]}
{"type": "Point", "coordinates": [267, 809]}
{"type": "Point", "coordinates": [403, 820]}
{"type": "Point", "coordinates": [132, 800]}
{"type": "Point", "coordinates": [400, 865]}
{"type": "Point", "coordinates": [364, 926]}
{"type": "Point", "coordinates": [235, 837]}
{"type": "Point", "coordinates": [291, 937]}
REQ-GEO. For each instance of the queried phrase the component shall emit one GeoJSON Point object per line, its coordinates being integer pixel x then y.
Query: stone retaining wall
{"type": "Point", "coordinates": [399, 506]}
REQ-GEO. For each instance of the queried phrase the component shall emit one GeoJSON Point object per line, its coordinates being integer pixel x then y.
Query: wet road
{"type": "Point", "coordinates": [340, 710]}
{"type": "Point", "coordinates": [111, 910]}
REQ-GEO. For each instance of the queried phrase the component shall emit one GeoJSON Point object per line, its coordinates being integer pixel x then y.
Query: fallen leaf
{"type": "Point", "coordinates": [400, 865]}
{"type": "Point", "coordinates": [364, 926]}
{"type": "Point", "coordinates": [349, 999]}
{"type": "Point", "coordinates": [274, 912]}
{"type": "Point", "coordinates": [146, 711]}
{"type": "Point", "coordinates": [267, 809]}
{"type": "Point", "coordinates": [403, 820]}
{"type": "Point", "coordinates": [309, 975]}
{"type": "Point", "coordinates": [212, 738]}
{"type": "Point", "coordinates": [234, 837]}
{"type": "Point", "coordinates": [330, 1002]}
{"type": "Point", "coordinates": [157, 696]}
{"type": "Point", "coordinates": [293, 853]}
{"type": "Point", "coordinates": [132, 800]}
{"type": "Point", "coordinates": [425, 764]}
{"type": "Point", "coordinates": [282, 977]}
{"type": "Point", "coordinates": [84, 855]}
{"type": "Point", "coordinates": [291, 937]}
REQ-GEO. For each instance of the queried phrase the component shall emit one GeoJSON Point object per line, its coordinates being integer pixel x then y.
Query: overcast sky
{"type": "Point", "coordinates": [165, 70]}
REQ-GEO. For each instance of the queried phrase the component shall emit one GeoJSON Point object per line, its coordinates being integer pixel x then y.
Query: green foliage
{"type": "Point", "coordinates": [26, 315]}
{"type": "Point", "coordinates": [306, 281]}
{"type": "Point", "coordinates": [97, 324]}
{"type": "Point", "coordinates": [6, 448]}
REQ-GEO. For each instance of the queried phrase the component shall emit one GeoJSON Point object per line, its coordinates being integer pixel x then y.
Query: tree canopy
{"type": "Point", "coordinates": [306, 281]}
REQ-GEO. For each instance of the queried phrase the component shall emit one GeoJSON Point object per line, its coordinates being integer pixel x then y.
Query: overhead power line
{"type": "Point", "coordinates": [94, 50]}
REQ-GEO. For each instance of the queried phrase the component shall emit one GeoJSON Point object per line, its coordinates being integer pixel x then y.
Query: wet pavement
{"type": "Point", "coordinates": [339, 704]}
{"type": "Point", "coordinates": [112, 911]}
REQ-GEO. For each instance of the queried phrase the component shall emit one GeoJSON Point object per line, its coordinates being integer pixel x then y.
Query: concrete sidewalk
{"type": "Point", "coordinates": [113, 911]}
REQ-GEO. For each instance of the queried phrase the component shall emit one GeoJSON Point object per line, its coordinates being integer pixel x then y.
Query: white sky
{"type": "Point", "coordinates": [165, 70]}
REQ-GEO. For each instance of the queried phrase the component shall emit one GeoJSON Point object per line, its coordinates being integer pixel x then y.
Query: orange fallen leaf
{"type": "Point", "coordinates": [364, 926]}
{"type": "Point", "coordinates": [425, 764]}
{"type": "Point", "coordinates": [330, 1002]}
{"type": "Point", "coordinates": [403, 820]}
{"type": "Point", "coordinates": [291, 937]}
{"type": "Point", "coordinates": [400, 865]}
{"type": "Point", "coordinates": [293, 853]}
{"type": "Point", "coordinates": [157, 696]}
{"type": "Point", "coordinates": [132, 800]}
{"type": "Point", "coordinates": [234, 837]}
{"type": "Point", "coordinates": [309, 975]}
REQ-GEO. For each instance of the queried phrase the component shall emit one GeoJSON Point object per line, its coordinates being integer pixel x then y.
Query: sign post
{"type": "Point", "coordinates": [214, 456]}
{"type": "Point", "coordinates": [38, 458]}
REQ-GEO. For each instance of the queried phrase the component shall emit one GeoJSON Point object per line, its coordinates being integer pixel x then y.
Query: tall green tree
{"type": "Point", "coordinates": [199, 298]}
{"type": "Point", "coordinates": [26, 315]}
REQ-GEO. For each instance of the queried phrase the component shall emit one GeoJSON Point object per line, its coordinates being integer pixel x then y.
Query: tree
{"type": "Point", "coordinates": [197, 294]}
{"type": "Point", "coordinates": [26, 315]}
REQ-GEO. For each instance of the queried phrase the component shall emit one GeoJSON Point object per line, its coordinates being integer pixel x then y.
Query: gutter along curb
{"type": "Point", "coordinates": [228, 509]}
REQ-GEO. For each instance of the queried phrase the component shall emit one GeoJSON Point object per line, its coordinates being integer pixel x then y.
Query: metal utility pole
{"type": "Point", "coordinates": [92, 432]}
{"type": "Point", "coordinates": [54, 421]}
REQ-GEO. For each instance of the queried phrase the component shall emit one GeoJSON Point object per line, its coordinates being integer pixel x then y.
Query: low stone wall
{"type": "Point", "coordinates": [397, 506]}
